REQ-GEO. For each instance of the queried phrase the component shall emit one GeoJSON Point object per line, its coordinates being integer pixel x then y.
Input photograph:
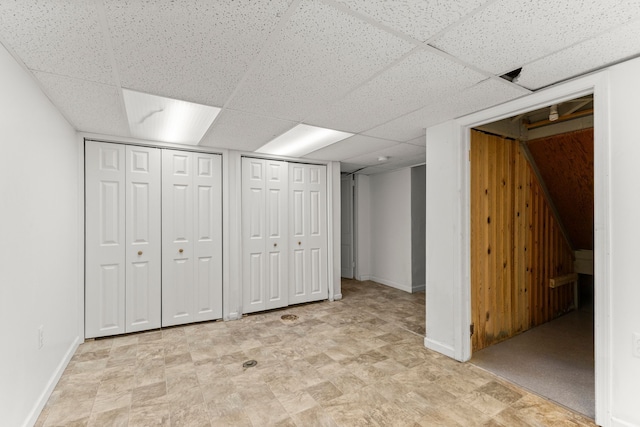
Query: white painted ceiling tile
{"type": "Point", "coordinates": [61, 37]}
{"type": "Point", "coordinates": [350, 147]}
{"type": "Point", "coordinates": [421, 78]}
{"type": "Point", "coordinates": [349, 167]}
{"type": "Point", "coordinates": [420, 141]}
{"type": "Point", "coordinates": [509, 34]}
{"type": "Point", "coordinates": [321, 54]}
{"type": "Point", "coordinates": [395, 154]}
{"type": "Point", "coordinates": [623, 42]}
{"type": "Point", "coordinates": [479, 97]}
{"type": "Point", "coordinates": [194, 50]}
{"type": "Point", "coordinates": [401, 129]}
{"type": "Point", "coordinates": [418, 19]}
{"type": "Point", "coordinates": [237, 130]}
{"type": "Point", "coordinates": [90, 107]}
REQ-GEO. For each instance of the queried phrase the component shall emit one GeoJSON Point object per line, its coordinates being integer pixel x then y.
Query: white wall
{"type": "Point", "coordinates": [625, 233]}
{"type": "Point", "coordinates": [39, 253]}
{"type": "Point", "coordinates": [391, 228]}
{"type": "Point", "coordinates": [441, 229]}
{"type": "Point", "coordinates": [418, 224]}
{"type": "Point", "coordinates": [362, 226]}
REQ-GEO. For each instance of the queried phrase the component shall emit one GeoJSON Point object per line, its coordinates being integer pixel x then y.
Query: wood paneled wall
{"type": "Point", "coordinates": [516, 245]}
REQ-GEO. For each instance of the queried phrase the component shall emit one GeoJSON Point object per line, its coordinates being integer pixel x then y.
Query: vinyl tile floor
{"type": "Point", "coordinates": [359, 361]}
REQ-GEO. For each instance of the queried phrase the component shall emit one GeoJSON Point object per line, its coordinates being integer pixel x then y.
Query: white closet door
{"type": "Point", "coordinates": [264, 231]}
{"type": "Point", "coordinates": [308, 232]}
{"type": "Point", "coordinates": [192, 237]}
{"type": "Point", "coordinates": [277, 279]}
{"type": "Point", "coordinates": [178, 287]}
{"type": "Point", "coordinates": [143, 238]}
{"type": "Point", "coordinates": [105, 239]}
{"type": "Point", "coordinates": [207, 251]}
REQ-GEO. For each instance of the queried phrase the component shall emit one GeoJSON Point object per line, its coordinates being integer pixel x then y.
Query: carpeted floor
{"type": "Point", "coordinates": [554, 360]}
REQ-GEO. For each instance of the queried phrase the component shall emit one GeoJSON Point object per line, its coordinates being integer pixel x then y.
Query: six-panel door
{"type": "Point", "coordinates": [264, 231]}
{"type": "Point", "coordinates": [105, 239]}
{"type": "Point", "coordinates": [142, 300]}
{"type": "Point", "coordinates": [307, 233]}
{"type": "Point", "coordinates": [192, 236]}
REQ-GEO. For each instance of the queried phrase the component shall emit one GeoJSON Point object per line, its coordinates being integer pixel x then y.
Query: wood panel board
{"type": "Point", "coordinates": [516, 245]}
{"type": "Point", "coordinates": [565, 163]}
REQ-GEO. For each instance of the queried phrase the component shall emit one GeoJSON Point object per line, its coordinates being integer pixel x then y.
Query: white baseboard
{"type": "Point", "coordinates": [439, 347]}
{"type": "Point", "coordinates": [392, 284]}
{"type": "Point", "coordinates": [363, 278]}
{"type": "Point", "coordinates": [617, 422]}
{"type": "Point", "coordinates": [337, 297]}
{"type": "Point", "coordinates": [418, 288]}
{"type": "Point", "coordinates": [51, 385]}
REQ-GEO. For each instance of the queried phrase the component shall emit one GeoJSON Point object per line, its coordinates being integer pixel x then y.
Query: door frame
{"type": "Point", "coordinates": [350, 179]}
{"type": "Point", "coordinates": [596, 84]}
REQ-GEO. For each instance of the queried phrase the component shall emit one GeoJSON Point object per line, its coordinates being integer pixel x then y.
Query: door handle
{"type": "Point", "coordinates": [299, 243]}
{"type": "Point", "coordinates": [139, 252]}
{"type": "Point", "coordinates": [275, 244]}
{"type": "Point", "coordinates": [180, 250]}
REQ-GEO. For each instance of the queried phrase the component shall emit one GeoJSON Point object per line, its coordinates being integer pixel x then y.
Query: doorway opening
{"type": "Point", "coordinates": [532, 222]}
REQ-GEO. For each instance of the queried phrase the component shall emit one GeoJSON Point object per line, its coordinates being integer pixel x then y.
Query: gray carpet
{"type": "Point", "coordinates": [554, 360]}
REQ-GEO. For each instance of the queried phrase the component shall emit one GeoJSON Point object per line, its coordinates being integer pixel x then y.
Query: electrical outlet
{"type": "Point", "coordinates": [636, 344]}
{"type": "Point", "coordinates": [40, 337]}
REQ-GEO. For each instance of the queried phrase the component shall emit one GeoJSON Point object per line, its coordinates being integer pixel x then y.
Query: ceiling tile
{"type": "Point", "coordinates": [401, 129]}
{"type": "Point", "coordinates": [418, 19]}
{"type": "Point", "coordinates": [61, 37]}
{"type": "Point", "coordinates": [237, 130]}
{"type": "Point", "coordinates": [350, 147]}
{"type": "Point", "coordinates": [509, 34]}
{"type": "Point", "coordinates": [623, 42]}
{"type": "Point", "coordinates": [90, 107]}
{"type": "Point", "coordinates": [483, 95]}
{"type": "Point", "coordinates": [420, 141]}
{"type": "Point", "coordinates": [396, 153]}
{"type": "Point", "coordinates": [421, 78]}
{"type": "Point", "coordinates": [349, 167]}
{"type": "Point", "coordinates": [194, 50]}
{"type": "Point", "coordinates": [321, 54]}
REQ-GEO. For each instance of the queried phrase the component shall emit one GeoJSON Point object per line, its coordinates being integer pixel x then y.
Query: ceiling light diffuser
{"type": "Point", "coordinates": [301, 140]}
{"type": "Point", "coordinates": [164, 119]}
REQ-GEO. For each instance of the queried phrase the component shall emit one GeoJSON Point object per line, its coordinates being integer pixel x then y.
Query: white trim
{"type": "Point", "coordinates": [363, 278]}
{"type": "Point", "coordinates": [51, 384]}
{"type": "Point", "coordinates": [337, 297]}
{"type": "Point", "coordinates": [597, 84]}
{"type": "Point", "coordinates": [81, 239]}
{"type": "Point", "coordinates": [439, 347]}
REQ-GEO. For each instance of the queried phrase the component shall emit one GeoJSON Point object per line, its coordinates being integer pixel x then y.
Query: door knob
{"type": "Point", "coordinates": [139, 252]}
{"type": "Point", "coordinates": [275, 244]}
{"type": "Point", "coordinates": [299, 243]}
{"type": "Point", "coordinates": [180, 250]}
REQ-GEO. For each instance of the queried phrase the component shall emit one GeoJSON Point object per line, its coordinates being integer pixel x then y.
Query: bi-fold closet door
{"type": "Point", "coordinates": [137, 277]}
{"type": "Point", "coordinates": [284, 234]}
{"type": "Point", "coordinates": [192, 236]}
{"type": "Point", "coordinates": [122, 239]}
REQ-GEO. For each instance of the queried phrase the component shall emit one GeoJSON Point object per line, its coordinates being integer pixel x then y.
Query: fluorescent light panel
{"type": "Point", "coordinates": [165, 119]}
{"type": "Point", "coordinates": [301, 140]}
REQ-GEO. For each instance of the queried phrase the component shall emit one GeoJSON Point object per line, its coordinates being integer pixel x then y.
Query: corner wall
{"type": "Point", "coordinates": [418, 224]}
{"type": "Point", "coordinates": [40, 252]}
{"type": "Point", "coordinates": [391, 229]}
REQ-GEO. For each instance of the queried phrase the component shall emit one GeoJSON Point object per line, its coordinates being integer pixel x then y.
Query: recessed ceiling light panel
{"type": "Point", "coordinates": [164, 119]}
{"type": "Point", "coordinates": [301, 140]}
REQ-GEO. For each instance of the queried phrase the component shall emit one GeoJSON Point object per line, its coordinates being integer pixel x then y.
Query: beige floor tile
{"type": "Point", "coordinates": [360, 361]}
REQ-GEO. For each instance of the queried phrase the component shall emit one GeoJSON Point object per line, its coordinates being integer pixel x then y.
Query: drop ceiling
{"type": "Point", "coordinates": [383, 70]}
